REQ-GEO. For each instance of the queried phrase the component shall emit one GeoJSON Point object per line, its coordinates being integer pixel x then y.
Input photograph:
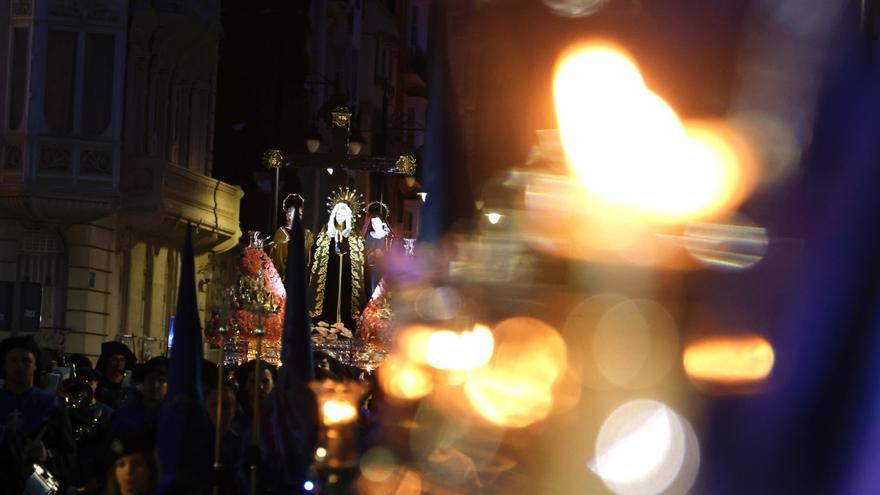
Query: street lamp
{"type": "Point", "coordinates": [313, 141]}
{"type": "Point", "coordinates": [355, 143]}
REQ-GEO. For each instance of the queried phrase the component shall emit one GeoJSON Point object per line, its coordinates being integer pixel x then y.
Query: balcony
{"type": "Point", "coordinates": [160, 198]}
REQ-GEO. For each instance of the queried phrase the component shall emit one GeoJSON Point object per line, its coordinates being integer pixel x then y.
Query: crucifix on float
{"type": "Point", "coordinates": [338, 157]}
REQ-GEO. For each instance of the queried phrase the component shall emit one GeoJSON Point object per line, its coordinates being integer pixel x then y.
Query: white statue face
{"type": "Point", "coordinates": [378, 224]}
{"type": "Point", "coordinates": [343, 214]}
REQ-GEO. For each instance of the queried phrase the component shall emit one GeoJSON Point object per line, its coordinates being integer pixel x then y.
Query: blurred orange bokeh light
{"type": "Point", "coordinates": [729, 360]}
{"type": "Point", "coordinates": [632, 154]}
{"type": "Point", "coordinates": [515, 388]}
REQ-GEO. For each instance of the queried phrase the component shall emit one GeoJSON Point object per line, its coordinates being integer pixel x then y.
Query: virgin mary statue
{"type": "Point", "coordinates": [336, 284]}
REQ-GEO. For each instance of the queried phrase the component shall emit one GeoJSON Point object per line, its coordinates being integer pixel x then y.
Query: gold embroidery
{"type": "Point", "coordinates": [356, 246]}
{"type": "Point", "coordinates": [310, 241]}
{"type": "Point", "coordinates": [317, 284]}
{"type": "Point", "coordinates": [273, 158]}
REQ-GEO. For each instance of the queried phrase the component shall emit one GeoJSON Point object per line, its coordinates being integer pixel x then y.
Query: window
{"type": "Point", "coordinates": [18, 76]}
{"type": "Point", "coordinates": [410, 125]}
{"type": "Point", "coordinates": [98, 83]}
{"type": "Point", "coordinates": [60, 74]}
{"type": "Point", "coordinates": [184, 115]}
{"type": "Point", "coordinates": [79, 106]}
{"type": "Point", "coordinates": [414, 27]}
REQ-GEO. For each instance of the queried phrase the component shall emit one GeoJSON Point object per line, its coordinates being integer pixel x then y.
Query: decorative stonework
{"type": "Point", "coordinates": [102, 11]}
{"type": "Point", "coordinates": [12, 155]}
{"type": "Point", "coordinates": [341, 117]}
{"type": "Point", "coordinates": [21, 8]}
{"type": "Point", "coordinates": [55, 158]}
{"type": "Point", "coordinates": [71, 9]}
{"type": "Point", "coordinates": [96, 162]}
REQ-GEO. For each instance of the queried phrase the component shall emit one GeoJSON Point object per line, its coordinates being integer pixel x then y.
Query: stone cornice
{"type": "Point", "coordinates": [55, 208]}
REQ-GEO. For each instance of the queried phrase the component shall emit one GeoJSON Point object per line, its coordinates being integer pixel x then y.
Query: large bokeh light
{"type": "Point", "coordinates": [628, 147]}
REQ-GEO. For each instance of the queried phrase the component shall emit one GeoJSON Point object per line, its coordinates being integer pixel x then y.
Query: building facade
{"type": "Point", "coordinates": [370, 55]}
{"type": "Point", "coordinates": [105, 158]}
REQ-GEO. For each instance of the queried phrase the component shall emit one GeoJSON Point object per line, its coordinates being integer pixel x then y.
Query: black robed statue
{"type": "Point", "coordinates": [336, 284]}
{"type": "Point", "coordinates": [278, 251]}
{"type": "Point", "coordinates": [379, 240]}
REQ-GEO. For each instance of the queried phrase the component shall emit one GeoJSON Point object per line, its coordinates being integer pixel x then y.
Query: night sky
{"type": "Point", "coordinates": [261, 101]}
{"type": "Point", "coordinates": [686, 49]}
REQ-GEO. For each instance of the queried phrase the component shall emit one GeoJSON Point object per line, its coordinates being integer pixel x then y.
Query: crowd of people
{"type": "Point", "coordinates": [94, 431]}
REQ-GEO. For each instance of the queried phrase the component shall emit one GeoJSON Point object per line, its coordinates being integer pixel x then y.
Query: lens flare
{"type": "Point", "coordinates": [460, 351]}
{"type": "Point", "coordinates": [642, 448]}
{"type": "Point", "coordinates": [441, 303]}
{"type": "Point", "coordinates": [635, 343]}
{"type": "Point", "coordinates": [405, 380]}
{"type": "Point", "coordinates": [337, 412]}
{"type": "Point", "coordinates": [731, 246]}
{"type": "Point", "coordinates": [775, 143]}
{"type": "Point", "coordinates": [515, 388]}
{"type": "Point", "coordinates": [378, 464]}
{"type": "Point", "coordinates": [621, 342]}
{"type": "Point", "coordinates": [629, 149]}
{"type": "Point", "coordinates": [413, 342]}
{"type": "Point", "coordinates": [729, 360]}
{"type": "Point", "coordinates": [403, 482]}
{"type": "Point", "coordinates": [448, 350]}
{"type": "Point", "coordinates": [574, 8]}
{"type": "Point", "coordinates": [508, 399]}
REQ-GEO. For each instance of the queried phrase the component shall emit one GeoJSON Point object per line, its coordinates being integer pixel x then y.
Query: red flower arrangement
{"type": "Point", "coordinates": [273, 325]}
{"type": "Point", "coordinates": [251, 261]}
{"type": "Point", "coordinates": [212, 330]}
{"type": "Point", "coordinates": [258, 298]}
{"type": "Point", "coordinates": [244, 322]}
{"type": "Point", "coordinates": [374, 325]}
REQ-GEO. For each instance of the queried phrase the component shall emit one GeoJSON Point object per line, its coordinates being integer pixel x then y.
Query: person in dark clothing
{"type": "Point", "coordinates": [92, 378]}
{"type": "Point", "coordinates": [134, 467]}
{"type": "Point", "coordinates": [50, 359]}
{"type": "Point", "coordinates": [231, 478]}
{"type": "Point", "coordinates": [142, 413]}
{"type": "Point", "coordinates": [116, 358]}
{"type": "Point", "coordinates": [78, 361]}
{"type": "Point", "coordinates": [244, 422]}
{"type": "Point", "coordinates": [34, 425]}
{"type": "Point", "coordinates": [91, 429]}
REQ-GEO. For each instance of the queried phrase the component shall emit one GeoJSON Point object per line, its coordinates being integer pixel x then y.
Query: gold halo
{"type": "Point", "coordinates": [386, 210]}
{"type": "Point", "coordinates": [353, 199]}
{"type": "Point", "coordinates": [291, 195]}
